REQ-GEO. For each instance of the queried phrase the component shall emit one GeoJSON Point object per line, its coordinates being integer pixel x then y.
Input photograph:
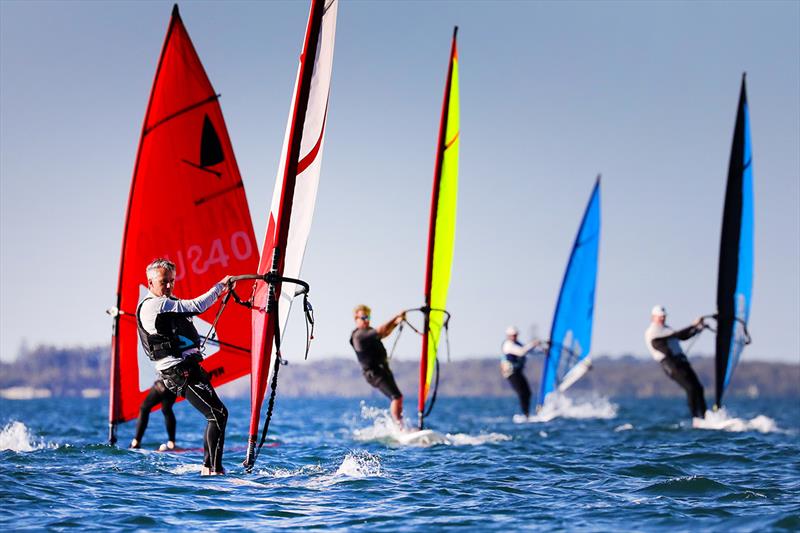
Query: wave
{"type": "Point", "coordinates": [16, 437]}
{"type": "Point", "coordinates": [359, 464]}
{"type": "Point", "coordinates": [687, 486]}
{"type": "Point", "coordinates": [721, 421]}
{"type": "Point", "coordinates": [560, 406]}
{"type": "Point", "coordinates": [384, 429]}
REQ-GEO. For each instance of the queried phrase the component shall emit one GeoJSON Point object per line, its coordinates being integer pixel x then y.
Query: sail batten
{"type": "Point", "coordinates": [205, 239]}
{"type": "Point", "coordinates": [567, 356]}
{"type": "Point", "coordinates": [735, 278]}
{"type": "Point", "coordinates": [441, 229]}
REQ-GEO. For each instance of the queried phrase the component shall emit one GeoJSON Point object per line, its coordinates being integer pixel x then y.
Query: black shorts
{"type": "Point", "coordinates": [383, 380]}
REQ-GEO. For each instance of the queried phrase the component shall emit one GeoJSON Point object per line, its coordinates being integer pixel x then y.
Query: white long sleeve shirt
{"type": "Point", "coordinates": [153, 305]}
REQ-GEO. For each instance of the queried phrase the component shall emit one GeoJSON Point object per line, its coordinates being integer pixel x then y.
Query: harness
{"type": "Point", "coordinates": [174, 335]}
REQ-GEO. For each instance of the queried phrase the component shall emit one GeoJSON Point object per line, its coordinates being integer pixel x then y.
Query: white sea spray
{"type": "Point", "coordinates": [16, 437]}
{"type": "Point", "coordinates": [721, 420]}
{"type": "Point", "coordinates": [561, 406]}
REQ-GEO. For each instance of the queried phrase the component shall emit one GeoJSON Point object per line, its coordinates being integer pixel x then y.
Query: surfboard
{"type": "Point", "coordinates": [422, 437]}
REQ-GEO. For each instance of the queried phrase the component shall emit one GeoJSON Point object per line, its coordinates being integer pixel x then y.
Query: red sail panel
{"type": "Point", "coordinates": [187, 203]}
{"type": "Point", "coordinates": [293, 197]}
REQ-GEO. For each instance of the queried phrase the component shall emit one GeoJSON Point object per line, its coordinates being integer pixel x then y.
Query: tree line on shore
{"type": "Point", "coordinates": [71, 371]}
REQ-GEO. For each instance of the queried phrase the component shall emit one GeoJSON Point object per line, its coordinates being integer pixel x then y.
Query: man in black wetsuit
{"type": "Point", "coordinates": [512, 366]}
{"type": "Point", "coordinates": [366, 341]}
{"type": "Point", "coordinates": [173, 344]}
{"type": "Point", "coordinates": [159, 394]}
{"type": "Point", "coordinates": [662, 341]}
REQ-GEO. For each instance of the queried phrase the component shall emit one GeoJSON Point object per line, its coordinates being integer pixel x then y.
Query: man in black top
{"type": "Point", "coordinates": [366, 341]}
{"type": "Point", "coordinates": [173, 344]}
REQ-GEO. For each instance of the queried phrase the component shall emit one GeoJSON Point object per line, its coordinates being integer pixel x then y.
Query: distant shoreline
{"type": "Point", "coordinates": [48, 371]}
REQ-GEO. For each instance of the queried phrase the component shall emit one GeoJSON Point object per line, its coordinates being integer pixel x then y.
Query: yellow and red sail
{"type": "Point", "coordinates": [441, 233]}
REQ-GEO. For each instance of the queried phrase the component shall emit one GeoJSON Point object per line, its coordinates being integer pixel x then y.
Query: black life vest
{"type": "Point", "coordinates": [517, 361]}
{"type": "Point", "coordinates": [175, 334]}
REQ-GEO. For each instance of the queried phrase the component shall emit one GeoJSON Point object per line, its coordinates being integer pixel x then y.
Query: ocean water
{"type": "Point", "coordinates": [337, 464]}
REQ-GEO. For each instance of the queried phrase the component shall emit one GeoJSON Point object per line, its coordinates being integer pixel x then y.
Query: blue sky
{"type": "Point", "coordinates": [551, 93]}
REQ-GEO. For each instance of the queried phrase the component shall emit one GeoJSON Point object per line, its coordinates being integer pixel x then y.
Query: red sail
{"type": "Point", "coordinates": [186, 203]}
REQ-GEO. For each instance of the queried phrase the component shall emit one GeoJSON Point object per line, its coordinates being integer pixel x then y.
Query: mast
{"type": "Point", "coordinates": [735, 278]}
{"type": "Point", "coordinates": [441, 227]}
{"type": "Point", "coordinates": [287, 231]}
{"type": "Point", "coordinates": [114, 405]}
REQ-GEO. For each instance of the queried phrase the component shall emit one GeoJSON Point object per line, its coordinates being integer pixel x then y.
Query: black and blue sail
{"type": "Point", "coordinates": [735, 281]}
{"type": "Point", "coordinates": [571, 333]}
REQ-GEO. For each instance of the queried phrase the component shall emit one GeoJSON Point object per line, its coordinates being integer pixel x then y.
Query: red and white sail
{"type": "Point", "coordinates": [295, 193]}
{"type": "Point", "coordinates": [186, 203]}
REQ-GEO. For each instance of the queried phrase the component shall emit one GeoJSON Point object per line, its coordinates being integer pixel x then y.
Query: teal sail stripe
{"type": "Point", "coordinates": [735, 282]}
{"type": "Point", "coordinates": [571, 332]}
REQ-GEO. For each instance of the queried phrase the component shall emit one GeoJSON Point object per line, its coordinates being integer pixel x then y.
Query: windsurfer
{"type": "Point", "coordinates": [513, 363]}
{"type": "Point", "coordinates": [662, 341]}
{"type": "Point", "coordinates": [159, 394]}
{"type": "Point", "coordinates": [173, 344]}
{"type": "Point", "coordinates": [366, 341]}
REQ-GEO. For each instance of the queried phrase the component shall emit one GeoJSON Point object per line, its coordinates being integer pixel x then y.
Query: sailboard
{"type": "Point", "coordinates": [735, 278]}
{"type": "Point", "coordinates": [568, 358]}
{"type": "Point", "coordinates": [292, 209]}
{"type": "Point", "coordinates": [186, 203]}
{"type": "Point", "coordinates": [441, 237]}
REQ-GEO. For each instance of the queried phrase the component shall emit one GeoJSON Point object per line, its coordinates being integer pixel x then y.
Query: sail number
{"type": "Point", "coordinates": [220, 252]}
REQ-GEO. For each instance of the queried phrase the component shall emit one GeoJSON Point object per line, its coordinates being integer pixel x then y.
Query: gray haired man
{"type": "Point", "coordinates": [171, 341]}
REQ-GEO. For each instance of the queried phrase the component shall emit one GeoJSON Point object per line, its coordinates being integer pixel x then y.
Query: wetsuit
{"type": "Point", "coordinates": [374, 362]}
{"type": "Point", "coordinates": [159, 394]}
{"type": "Point", "coordinates": [514, 353]}
{"type": "Point", "coordinates": [172, 342]}
{"type": "Point", "coordinates": [663, 344]}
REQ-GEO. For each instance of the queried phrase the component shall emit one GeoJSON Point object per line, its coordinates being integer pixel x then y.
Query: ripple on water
{"type": "Point", "coordinates": [660, 474]}
{"type": "Point", "coordinates": [687, 486]}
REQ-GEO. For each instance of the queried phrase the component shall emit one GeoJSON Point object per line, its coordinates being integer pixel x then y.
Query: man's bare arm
{"type": "Point", "coordinates": [384, 330]}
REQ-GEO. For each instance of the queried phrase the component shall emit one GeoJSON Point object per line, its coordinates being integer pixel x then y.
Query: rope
{"type": "Point", "coordinates": [435, 390]}
{"type": "Point", "coordinates": [397, 337]}
{"type": "Point", "coordinates": [446, 328]}
{"type": "Point", "coordinates": [273, 387]}
{"type": "Point", "coordinates": [272, 308]}
{"type": "Point", "coordinates": [213, 327]}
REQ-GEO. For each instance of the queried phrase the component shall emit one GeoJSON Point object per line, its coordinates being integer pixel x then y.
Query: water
{"type": "Point", "coordinates": [336, 464]}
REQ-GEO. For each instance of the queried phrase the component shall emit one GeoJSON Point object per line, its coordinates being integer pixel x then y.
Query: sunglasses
{"type": "Point", "coordinates": [365, 317]}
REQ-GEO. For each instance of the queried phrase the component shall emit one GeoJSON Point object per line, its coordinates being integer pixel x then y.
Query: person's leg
{"type": "Point", "coordinates": [697, 400]}
{"type": "Point", "coordinates": [167, 401]}
{"type": "Point", "coordinates": [150, 401]}
{"type": "Point", "coordinates": [204, 398]}
{"type": "Point", "coordinates": [525, 397]}
{"type": "Point", "coordinates": [679, 370]}
{"type": "Point", "coordinates": [520, 386]}
{"type": "Point", "coordinates": [388, 386]}
{"type": "Point", "coordinates": [396, 408]}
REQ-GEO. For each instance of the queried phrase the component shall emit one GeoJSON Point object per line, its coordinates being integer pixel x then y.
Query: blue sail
{"type": "Point", "coordinates": [571, 333]}
{"type": "Point", "coordinates": [735, 281]}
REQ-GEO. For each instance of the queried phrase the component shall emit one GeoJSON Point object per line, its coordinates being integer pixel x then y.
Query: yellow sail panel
{"type": "Point", "coordinates": [445, 231]}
